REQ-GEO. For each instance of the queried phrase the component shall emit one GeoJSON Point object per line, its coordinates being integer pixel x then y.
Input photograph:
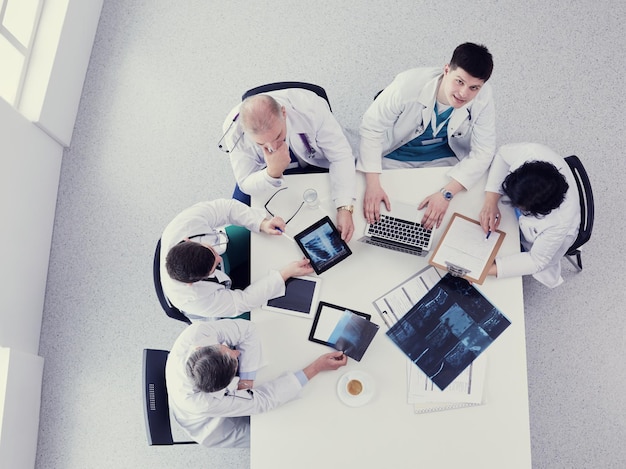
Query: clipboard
{"type": "Point", "coordinates": [464, 251]}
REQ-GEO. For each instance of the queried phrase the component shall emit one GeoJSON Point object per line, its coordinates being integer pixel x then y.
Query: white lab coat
{"type": "Point", "coordinates": [217, 419]}
{"type": "Point", "coordinates": [545, 239]}
{"type": "Point", "coordinates": [208, 299]}
{"type": "Point", "coordinates": [403, 111]}
{"type": "Point", "coordinates": [307, 114]}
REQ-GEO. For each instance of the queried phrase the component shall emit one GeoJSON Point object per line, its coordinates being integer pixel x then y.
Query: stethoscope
{"type": "Point", "coordinates": [436, 128]}
{"type": "Point", "coordinates": [310, 151]}
{"type": "Point", "coordinates": [248, 397]}
{"type": "Point", "coordinates": [221, 240]}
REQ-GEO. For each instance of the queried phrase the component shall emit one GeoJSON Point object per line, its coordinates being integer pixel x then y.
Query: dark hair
{"type": "Point", "coordinates": [475, 59]}
{"type": "Point", "coordinates": [536, 187]}
{"type": "Point", "coordinates": [211, 369]}
{"type": "Point", "coordinates": [189, 262]}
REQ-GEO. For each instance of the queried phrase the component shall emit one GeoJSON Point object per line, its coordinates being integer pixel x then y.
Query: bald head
{"type": "Point", "coordinates": [258, 113]}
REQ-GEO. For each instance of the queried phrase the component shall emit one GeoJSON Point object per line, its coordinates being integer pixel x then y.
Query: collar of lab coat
{"type": "Point", "coordinates": [299, 120]}
{"type": "Point", "coordinates": [231, 388]}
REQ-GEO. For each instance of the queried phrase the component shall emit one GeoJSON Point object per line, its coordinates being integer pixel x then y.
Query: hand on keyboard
{"type": "Point", "coordinates": [374, 195]}
{"type": "Point", "coordinates": [435, 209]}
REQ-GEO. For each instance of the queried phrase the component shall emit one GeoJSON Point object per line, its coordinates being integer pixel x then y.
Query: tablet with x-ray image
{"type": "Point", "coordinates": [321, 243]}
{"type": "Point", "coordinates": [343, 329]}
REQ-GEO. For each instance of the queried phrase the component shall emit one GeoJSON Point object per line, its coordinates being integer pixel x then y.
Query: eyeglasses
{"type": "Point", "coordinates": [220, 145]}
{"type": "Point", "coordinates": [273, 214]}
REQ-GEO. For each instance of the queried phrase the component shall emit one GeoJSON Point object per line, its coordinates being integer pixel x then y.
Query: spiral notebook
{"type": "Point", "coordinates": [465, 391]}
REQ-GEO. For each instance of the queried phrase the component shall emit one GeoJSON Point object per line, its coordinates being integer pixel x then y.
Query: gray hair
{"type": "Point", "coordinates": [258, 113]}
{"type": "Point", "coordinates": [211, 369]}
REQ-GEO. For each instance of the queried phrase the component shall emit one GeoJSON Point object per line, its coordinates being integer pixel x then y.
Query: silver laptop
{"type": "Point", "coordinates": [399, 230]}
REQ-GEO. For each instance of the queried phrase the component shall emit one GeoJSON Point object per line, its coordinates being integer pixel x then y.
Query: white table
{"type": "Point", "coordinates": [318, 430]}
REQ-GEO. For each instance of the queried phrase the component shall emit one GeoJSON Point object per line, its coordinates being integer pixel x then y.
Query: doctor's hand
{"type": "Point", "coordinates": [490, 215]}
{"type": "Point", "coordinates": [436, 206]}
{"type": "Point", "coordinates": [245, 384]}
{"type": "Point", "coordinates": [296, 269]}
{"type": "Point", "coordinates": [328, 361]}
{"type": "Point", "coordinates": [277, 160]}
{"type": "Point", "coordinates": [345, 225]}
{"type": "Point", "coordinates": [374, 195]}
{"type": "Point", "coordinates": [273, 226]}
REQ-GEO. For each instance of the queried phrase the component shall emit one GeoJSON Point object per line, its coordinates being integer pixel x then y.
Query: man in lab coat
{"type": "Point", "coordinates": [210, 375]}
{"type": "Point", "coordinates": [192, 246]}
{"type": "Point", "coordinates": [291, 131]}
{"type": "Point", "coordinates": [431, 117]}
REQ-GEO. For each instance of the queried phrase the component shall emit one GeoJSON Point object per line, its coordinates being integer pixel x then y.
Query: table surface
{"type": "Point", "coordinates": [318, 429]}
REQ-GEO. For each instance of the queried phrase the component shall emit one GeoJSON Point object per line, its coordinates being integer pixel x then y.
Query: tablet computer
{"type": "Point", "coordinates": [322, 245]}
{"type": "Point", "coordinates": [343, 329]}
{"type": "Point", "coordinates": [300, 298]}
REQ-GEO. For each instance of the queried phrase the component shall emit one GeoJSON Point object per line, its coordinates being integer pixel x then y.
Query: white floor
{"type": "Point", "coordinates": [163, 76]}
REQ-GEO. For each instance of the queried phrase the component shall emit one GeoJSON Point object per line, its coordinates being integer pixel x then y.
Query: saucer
{"type": "Point", "coordinates": [365, 396]}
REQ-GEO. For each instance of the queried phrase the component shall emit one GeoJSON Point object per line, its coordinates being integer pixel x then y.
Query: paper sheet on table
{"type": "Point", "coordinates": [465, 391]}
{"type": "Point", "coordinates": [467, 387]}
{"type": "Point", "coordinates": [397, 302]}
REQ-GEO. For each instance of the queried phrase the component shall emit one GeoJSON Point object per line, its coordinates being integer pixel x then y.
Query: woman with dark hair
{"type": "Point", "coordinates": [538, 183]}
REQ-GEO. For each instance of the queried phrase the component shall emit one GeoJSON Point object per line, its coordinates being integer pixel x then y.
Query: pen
{"type": "Point", "coordinates": [286, 235]}
{"type": "Point", "coordinates": [489, 232]}
{"type": "Point", "coordinates": [270, 150]}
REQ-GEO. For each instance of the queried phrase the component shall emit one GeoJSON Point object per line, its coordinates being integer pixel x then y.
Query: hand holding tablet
{"type": "Point", "coordinates": [348, 331]}
{"type": "Point", "coordinates": [322, 244]}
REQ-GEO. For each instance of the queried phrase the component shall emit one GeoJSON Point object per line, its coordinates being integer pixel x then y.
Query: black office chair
{"type": "Point", "coordinates": [169, 309]}
{"type": "Point", "coordinates": [155, 407]}
{"type": "Point", "coordinates": [281, 85]}
{"type": "Point", "coordinates": [585, 195]}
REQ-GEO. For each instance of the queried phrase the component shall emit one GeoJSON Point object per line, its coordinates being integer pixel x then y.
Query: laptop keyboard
{"type": "Point", "coordinates": [401, 231]}
{"type": "Point", "coordinates": [385, 243]}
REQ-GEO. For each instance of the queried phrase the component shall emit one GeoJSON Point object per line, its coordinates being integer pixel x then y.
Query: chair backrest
{"type": "Point", "coordinates": [585, 195]}
{"type": "Point", "coordinates": [281, 85]}
{"type": "Point", "coordinates": [169, 309]}
{"type": "Point", "coordinates": [155, 407]}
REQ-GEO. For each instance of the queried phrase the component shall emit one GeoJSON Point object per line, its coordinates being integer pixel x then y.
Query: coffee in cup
{"type": "Point", "coordinates": [354, 387]}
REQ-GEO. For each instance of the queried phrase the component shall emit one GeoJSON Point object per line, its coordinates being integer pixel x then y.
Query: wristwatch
{"type": "Point", "coordinates": [446, 194]}
{"type": "Point", "coordinates": [349, 208]}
